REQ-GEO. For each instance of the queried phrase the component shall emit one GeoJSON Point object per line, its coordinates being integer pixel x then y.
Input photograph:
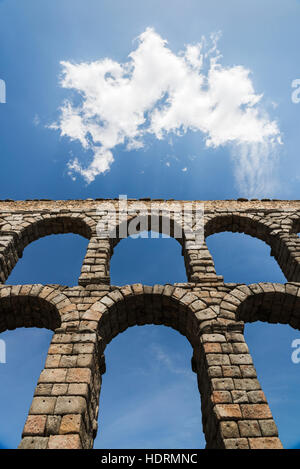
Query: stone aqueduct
{"type": "Point", "coordinates": [210, 313]}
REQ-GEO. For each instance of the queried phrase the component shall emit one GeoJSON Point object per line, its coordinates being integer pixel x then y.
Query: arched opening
{"type": "Point", "coordinates": [159, 305]}
{"type": "Point", "coordinates": [271, 348]}
{"type": "Point", "coordinates": [241, 258]}
{"type": "Point", "coordinates": [25, 354]}
{"type": "Point", "coordinates": [295, 227]}
{"type": "Point", "coordinates": [149, 259]}
{"type": "Point", "coordinates": [53, 259]}
{"type": "Point", "coordinates": [240, 223]}
{"type": "Point", "coordinates": [149, 396]}
{"type": "Point", "coordinates": [15, 240]}
{"type": "Point", "coordinates": [274, 341]}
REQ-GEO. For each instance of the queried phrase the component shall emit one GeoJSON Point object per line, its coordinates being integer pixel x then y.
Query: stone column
{"type": "Point", "coordinates": [199, 264]}
{"type": "Point", "coordinates": [235, 412]}
{"type": "Point", "coordinates": [95, 267]}
{"type": "Point", "coordinates": [9, 254]}
{"type": "Point", "coordinates": [286, 251]}
{"type": "Point", "coordinates": [64, 410]}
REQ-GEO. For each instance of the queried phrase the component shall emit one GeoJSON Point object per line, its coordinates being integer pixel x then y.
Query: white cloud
{"type": "Point", "coordinates": [158, 92]}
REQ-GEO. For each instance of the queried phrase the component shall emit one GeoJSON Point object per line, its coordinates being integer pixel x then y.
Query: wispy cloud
{"type": "Point", "coordinates": [157, 404]}
{"type": "Point", "coordinates": [36, 120]}
{"type": "Point", "coordinates": [158, 92]}
{"type": "Point", "coordinates": [140, 423]}
{"type": "Point", "coordinates": [162, 358]}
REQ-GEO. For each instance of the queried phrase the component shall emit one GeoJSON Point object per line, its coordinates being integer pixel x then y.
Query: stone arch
{"type": "Point", "coordinates": [171, 225]}
{"type": "Point", "coordinates": [211, 338]}
{"type": "Point", "coordinates": [166, 305]}
{"type": "Point", "coordinates": [162, 225]}
{"type": "Point", "coordinates": [267, 302]}
{"type": "Point", "coordinates": [55, 224]}
{"type": "Point", "coordinates": [139, 305]}
{"type": "Point", "coordinates": [239, 223]}
{"type": "Point", "coordinates": [295, 223]}
{"type": "Point", "coordinates": [34, 227]}
{"type": "Point", "coordinates": [267, 230]}
{"type": "Point", "coordinates": [17, 237]}
{"type": "Point", "coordinates": [286, 247]}
{"type": "Point", "coordinates": [33, 306]}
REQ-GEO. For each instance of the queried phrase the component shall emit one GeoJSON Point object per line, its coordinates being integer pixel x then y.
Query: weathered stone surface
{"type": "Point", "coordinates": [256, 411]}
{"type": "Point", "coordinates": [64, 442]}
{"type": "Point", "coordinates": [268, 427]}
{"type": "Point", "coordinates": [236, 443]}
{"type": "Point", "coordinates": [70, 405]}
{"type": "Point", "coordinates": [53, 375]}
{"type": "Point", "coordinates": [221, 397]}
{"type": "Point", "coordinates": [59, 389]}
{"type": "Point", "coordinates": [228, 411]}
{"type": "Point", "coordinates": [239, 397]}
{"type": "Point", "coordinates": [53, 424]}
{"type": "Point", "coordinates": [249, 428]}
{"type": "Point", "coordinates": [35, 425]}
{"type": "Point", "coordinates": [77, 389]}
{"type": "Point", "coordinates": [70, 424]}
{"type": "Point", "coordinates": [265, 443]}
{"type": "Point", "coordinates": [229, 430]}
{"type": "Point", "coordinates": [42, 405]}
{"type": "Point", "coordinates": [37, 442]}
{"type": "Point", "coordinates": [78, 375]}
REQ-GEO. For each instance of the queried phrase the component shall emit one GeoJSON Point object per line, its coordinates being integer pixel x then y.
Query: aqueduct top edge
{"type": "Point", "coordinates": [90, 204]}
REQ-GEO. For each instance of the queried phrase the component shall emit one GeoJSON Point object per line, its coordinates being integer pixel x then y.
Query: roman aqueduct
{"type": "Point", "coordinates": [210, 313]}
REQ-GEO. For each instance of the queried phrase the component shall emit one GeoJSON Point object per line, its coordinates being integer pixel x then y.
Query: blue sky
{"type": "Point", "coordinates": [158, 407]}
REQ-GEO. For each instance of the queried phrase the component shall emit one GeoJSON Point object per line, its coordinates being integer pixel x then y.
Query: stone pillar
{"type": "Point", "coordinates": [95, 267]}
{"type": "Point", "coordinates": [235, 412]}
{"type": "Point", "coordinates": [64, 410]}
{"type": "Point", "coordinates": [9, 254]}
{"type": "Point", "coordinates": [286, 251]}
{"type": "Point", "coordinates": [199, 265]}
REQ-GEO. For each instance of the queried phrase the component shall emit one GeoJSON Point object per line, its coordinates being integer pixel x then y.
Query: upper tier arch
{"type": "Point", "coordinates": [241, 223]}
{"type": "Point", "coordinates": [15, 237]}
{"type": "Point", "coordinates": [33, 306]}
{"type": "Point", "coordinates": [267, 302]}
{"type": "Point", "coordinates": [137, 305]}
